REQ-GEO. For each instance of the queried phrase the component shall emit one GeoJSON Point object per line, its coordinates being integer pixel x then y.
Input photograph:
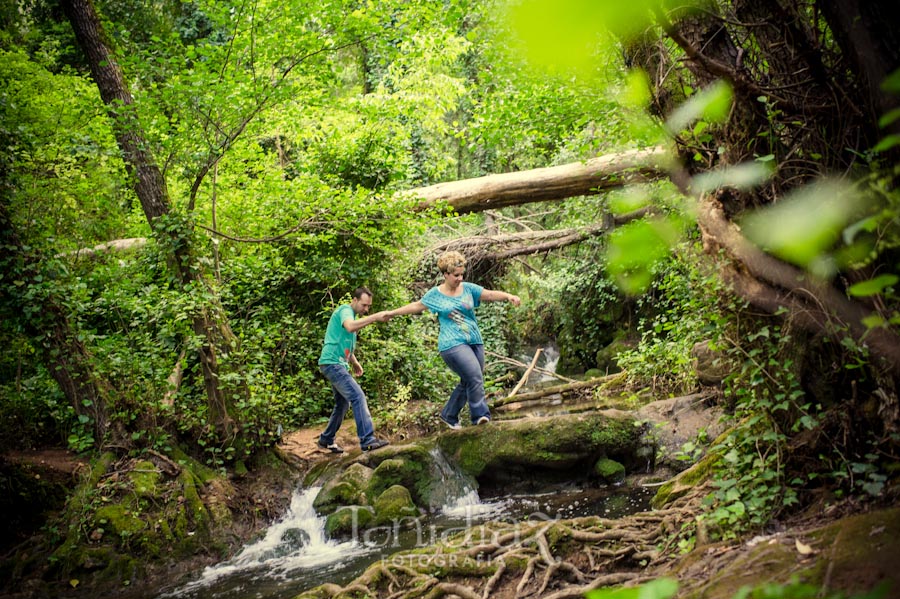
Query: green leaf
{"type": "Point", "coordinates": [566, 34]}
{"type": "Point", "coordinates": [892, 82]}
{"type": "Point", "coordinates": [661, 588]}
{"type": "Point", "coordinates": [889, 118]}
{"type": "Point", "coordinates": [873, 286]}
{"type": "Point", "coordinates": [743, 176]}
{"type": "Point", "coordinates": [803, 226]}
{"type": "Point", "coordinates": [712, 104]}
{"type": "Point", "coordinates": [637, 89]}
{"type": "Point", "coordinates": [635, 249]}
{"type": "Point", "coordinates": [887, 143]}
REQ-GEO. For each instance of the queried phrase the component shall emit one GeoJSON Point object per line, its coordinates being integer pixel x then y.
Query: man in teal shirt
{"type": "Point", "coordinates": [337, 361]}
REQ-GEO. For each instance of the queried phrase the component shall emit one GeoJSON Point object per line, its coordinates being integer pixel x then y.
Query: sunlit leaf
{"type": "Point", "coordinates": [868, 224]}
{"type": "Point", "coordinates": [889, 118]}
{"type": "Point", "coordinates": [566, 33]}
{"type": "Point", "coordinates": [873, 286]}
{"type": "Point", "coordinates": [634, 250]}
{"type": "Point", "coordinates": [742, 176]}
{"type": "Point", "coordinates": [661, 588]}
{"type": "Point", "coordinates": [804, 225]}
{"type": "Point", "coordinates": [887, 143]}
{"type": "Point", "coordinates": [711, 104]}
{"type": "Point", "coordinates": [637, 89]}
{"type": "Point", "coordinates": [628, 200]}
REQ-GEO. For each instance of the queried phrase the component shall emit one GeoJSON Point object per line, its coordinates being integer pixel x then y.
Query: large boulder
{"type": "Point", "coordinates": [408, 465]}
{"type": "Point", "coordinates": [534, 447]}
{"type": "Point", "coordinates": [682, 428]}
{"type": "Point", "coordinates": [347, 488]}
{"type": "Point", "coordinates": [394, 506]}
{"type": "Point", "coordinates": [710, 365]}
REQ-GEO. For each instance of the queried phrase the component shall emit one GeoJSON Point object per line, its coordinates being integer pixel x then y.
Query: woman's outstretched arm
{"type": "Point", "coordinates": [491, 295]}
{"type": "Point", "coordinates": [412, 308]}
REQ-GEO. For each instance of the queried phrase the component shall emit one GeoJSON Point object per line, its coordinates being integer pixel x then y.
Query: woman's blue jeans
{"type": "Point", "coordinates": [467, 361]}
{"type": "Point", "coordinates": [347, 393]}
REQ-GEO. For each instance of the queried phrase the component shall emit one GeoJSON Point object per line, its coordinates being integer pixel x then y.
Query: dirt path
{"type": "Point", "coordinates": [300, 445]}
{"type": "Point", "coordinates": [57, 461]}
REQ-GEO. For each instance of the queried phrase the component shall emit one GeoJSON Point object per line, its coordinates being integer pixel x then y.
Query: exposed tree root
{"type": "Point", "coordinates": [555, 559]}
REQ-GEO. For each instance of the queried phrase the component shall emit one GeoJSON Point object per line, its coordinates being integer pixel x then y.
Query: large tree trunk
{"type": "Point", "coordinates": [870, 39]}
{"type": "Point", "coordinates": [150, 187]}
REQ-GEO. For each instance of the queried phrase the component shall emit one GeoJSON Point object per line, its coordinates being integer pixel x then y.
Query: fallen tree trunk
{"type": "Point", "coordinates": [559, 389]}
{"type": "Point", "coordinates": [494, 248]}
{"type": "Point", "coordinates": [550, 183]}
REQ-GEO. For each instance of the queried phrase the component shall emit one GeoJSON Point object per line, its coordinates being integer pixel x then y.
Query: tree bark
{"type": "Point", "coordinates": [494, 248]}
{"type": "Point", "coordinates": [150, 187]}
{"type": "Point", "coordinates": [869, 37]}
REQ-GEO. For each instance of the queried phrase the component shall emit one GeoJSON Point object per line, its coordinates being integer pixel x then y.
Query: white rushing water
{"type": "Point", "coordinates": [295, 542]}
{"type": "Point", "coordinates": [294, 554]}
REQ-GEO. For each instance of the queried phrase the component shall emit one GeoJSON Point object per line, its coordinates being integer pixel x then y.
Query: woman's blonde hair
{"type": "Point", "coordinates": [450, 260]}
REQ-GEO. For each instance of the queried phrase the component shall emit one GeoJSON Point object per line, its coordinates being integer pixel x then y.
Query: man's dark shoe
{"type": "Point", "coordinates": [376, 444]}
{"type": "Point", "coordinates": [333, 447]}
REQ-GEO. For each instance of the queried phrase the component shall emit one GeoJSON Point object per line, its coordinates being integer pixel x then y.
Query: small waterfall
{"type": "Point", "coordinates": [551, 359]}
{"type": "Point", "coordinates": [450, 484]}
{"type": "Point", "coordinates": [456, 493]}
{"type": "Point", "coordinates": [296, 542]}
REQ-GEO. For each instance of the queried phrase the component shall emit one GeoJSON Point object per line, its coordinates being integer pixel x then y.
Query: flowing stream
{"type": "Point", "coordinates": [294, 554]}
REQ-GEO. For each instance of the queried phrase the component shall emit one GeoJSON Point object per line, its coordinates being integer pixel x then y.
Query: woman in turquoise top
{"type": "Point", "coordinates": [459, 340]}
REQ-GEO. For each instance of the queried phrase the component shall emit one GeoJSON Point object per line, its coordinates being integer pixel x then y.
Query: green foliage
{"type": "Point", "coordinates": [665, 588]}
{"type": "Point", "coordinates": [578, 306]}
{"type": "Point", "coordinates": [661, 588]}
{"type": "Point", "coordinates": [769, 405]}
{"type": "Point", "coordinates": [680, 310]}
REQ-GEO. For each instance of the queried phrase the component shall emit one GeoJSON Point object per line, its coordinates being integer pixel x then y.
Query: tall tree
{"type": "Point", "coordinates": [173, 231]}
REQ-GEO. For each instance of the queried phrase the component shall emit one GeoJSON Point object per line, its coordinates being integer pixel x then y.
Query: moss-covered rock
{"type": "Point", "coordinates": [531, 444]}
{"type": "Point", "coordinates": [685, 481]}
{"type": "Point", "coordinates": [118, 519]}
{"type": "Point", "coordinates": [610, 471]}
{"type": "Point", "coordinates": [347, 488]}
{"type": "Point", "coordinates": [394, 505]}
{"type": "Point", "coordinates": [348, 520]}
{"type": "Point", "coordinates": [357, 475]}
{"type": "Point", "coordinates": [414, 475]}
{"type": "Point", "coordinates": [144, 477]}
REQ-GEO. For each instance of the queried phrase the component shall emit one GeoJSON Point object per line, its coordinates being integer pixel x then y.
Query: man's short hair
{"type": "Point", "coordinates": [361, 291]}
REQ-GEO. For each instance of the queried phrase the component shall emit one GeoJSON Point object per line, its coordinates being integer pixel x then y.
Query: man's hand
{"type": "Point", "coordinates": [383, 316]}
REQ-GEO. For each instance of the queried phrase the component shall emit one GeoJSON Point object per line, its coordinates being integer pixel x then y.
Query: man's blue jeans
{"type": "Point", "coordinates": [468, 362]}
{"type": "Point", "coordinates": [347, 393]}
